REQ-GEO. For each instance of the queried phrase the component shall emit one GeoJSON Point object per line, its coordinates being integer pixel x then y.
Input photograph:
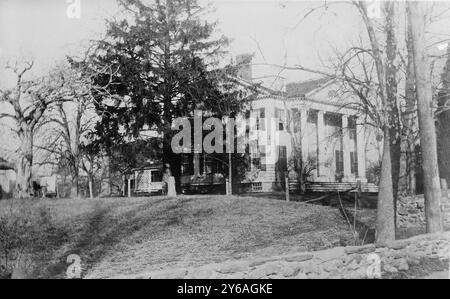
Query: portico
{"type": "Point", "coordinates": [340, 148]}
{"type": "Point", "coordinates": [328, 134]}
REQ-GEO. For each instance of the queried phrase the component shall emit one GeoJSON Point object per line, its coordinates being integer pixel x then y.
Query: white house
{"type": "Point", "coordinates": [307, 120]}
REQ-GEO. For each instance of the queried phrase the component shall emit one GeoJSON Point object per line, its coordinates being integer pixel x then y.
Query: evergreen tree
{"type": "Point", "coordinates": [164, 62]}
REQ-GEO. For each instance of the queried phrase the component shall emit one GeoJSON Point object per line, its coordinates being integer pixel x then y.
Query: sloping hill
{"type": "Point", "coordinates": [125, 236]}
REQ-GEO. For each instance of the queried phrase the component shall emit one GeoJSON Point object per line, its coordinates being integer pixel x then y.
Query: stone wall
{"type": "Point", "coordinates": [411, 211]}
{"type": "Point", "coordinates": [368, 261]}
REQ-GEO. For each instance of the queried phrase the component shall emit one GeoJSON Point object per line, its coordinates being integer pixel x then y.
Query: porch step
{"type": "Point", "coordinates": [333, 187]}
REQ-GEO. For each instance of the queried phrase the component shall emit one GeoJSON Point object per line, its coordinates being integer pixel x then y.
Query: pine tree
{"type": "Point", "coordinates": [165, 64]}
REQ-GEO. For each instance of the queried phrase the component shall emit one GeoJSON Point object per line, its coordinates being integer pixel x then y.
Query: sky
{"type": "Point", "coordinates": [47, 30]}
{"type": "Point", "coordinates": [275, 31]}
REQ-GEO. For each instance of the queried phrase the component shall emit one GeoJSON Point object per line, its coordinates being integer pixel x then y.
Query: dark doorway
{"type": "Point", "coordinates": [281, 166]}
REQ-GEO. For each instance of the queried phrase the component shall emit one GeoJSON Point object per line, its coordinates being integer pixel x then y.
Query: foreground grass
{"type": "Point", "coordinates": [124, 236]}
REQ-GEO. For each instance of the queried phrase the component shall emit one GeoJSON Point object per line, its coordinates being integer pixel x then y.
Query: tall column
{"type": "Point", "coordinates": [303, 136]}
{"type": "Point", "coordinates": [345, 148]}
{"type": "Point", "coordinates": [320, 144]}
{"type": "Point", "coordinates": [361, 151]}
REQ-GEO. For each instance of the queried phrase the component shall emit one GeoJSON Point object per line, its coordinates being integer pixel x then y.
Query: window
{"type": "Point", "coordinates": [201, 158]}
{"type": "Point", "coordinates": [262, 112]}
{"type": "Point", "coordinates": [247, 122]}
{"type": "Point", "coordinates": [333, 120]}
{"type": "Point", "coordinates": [156, 176]}
{"type": "Point", "coordinates": [254, 153]}
{"type": "Point", "coordinates": [257, 187]}
{"type": "Point", "coordinates": [187, 165]}
{"type": "Point", "coordinates": [262, 154]}
{"type": "Point", "coordinates": [142, 177]}
{"type": "Point", "coordinates": [280, 115]}
{"type": "Point", "coordinates": [352, 133]}
{"type": "Point", "coordinates": [209, 165]}
{"type": "Point", "coordinates": [339, 157]}
{"type": "Point", "coordinates": [282, 152]}
{"type": "Point", "coordinates": [256, 161]}
{"type": "Point", "coordinates": [282, 159]}
{"type": "Point", "coordinates": [261, 120]}
{"type": "Point", "coordinates": [296, 115]}
{"type": "Point", "coordinates": [352, 128]}
{"type": "Point", "coordinates": [354, 162]}
{"type": "Point", "coordinates": [312, 117]}
{"type": "Point", "coordinates": [259, 157]}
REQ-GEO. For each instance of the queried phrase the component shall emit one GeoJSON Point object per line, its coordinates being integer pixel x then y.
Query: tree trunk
{"type": "Point", "coordinates": [74, 186]}
{"type": "Point", "coordinates": [106, 179]}
{"type": "Point", "coordinates": [24, 165]}
{"type": "Point", "coordinates": [410, 116]}
{"type": "Point", "coordinates": [174, 160]}
{"type": "Point", "coordinates": [443, 121]}
{"type": "Point", "coordinates": [391, 101]}
{"type": "Point", "coordinates": [427, 130]}
{"type": "Point", "coordinates": [385, 208]}
{"type": "Point", "coordinates": [230, 174]}
{"type": "Point", "coordinates": [91, 184]}
{"type": "Point", "coordinates": [385, 226]}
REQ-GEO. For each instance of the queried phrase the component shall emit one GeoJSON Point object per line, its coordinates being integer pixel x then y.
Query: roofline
{"type": "Point", "coordinates": [6, 166]}
{"type": "Point", "coordinates": [324, 85]}
{"type": "Point", "coordinates": [262, 89]}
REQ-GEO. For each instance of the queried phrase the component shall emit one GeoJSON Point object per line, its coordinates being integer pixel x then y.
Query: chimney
{"type": "Point", "coordinates": [244, 61]}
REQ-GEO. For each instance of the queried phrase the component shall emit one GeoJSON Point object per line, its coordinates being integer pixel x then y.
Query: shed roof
{"type": "Point", "coordinates": [5, 165]}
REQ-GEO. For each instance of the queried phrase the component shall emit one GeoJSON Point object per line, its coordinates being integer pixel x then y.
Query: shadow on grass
{"type": "Point", "coordinates": [105, 228]}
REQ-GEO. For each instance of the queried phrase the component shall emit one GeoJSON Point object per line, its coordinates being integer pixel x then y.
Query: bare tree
{"type": "Point", "coordinates": [68, 124]}
{"type": "Point", "coordinates": [432, 192]}
{"type": "Point", "coordinates": [91, 163]}
{"type": "Point", "coordinates": [66, 127]}
{"type": "Point", "coordinates": [386, 116]}
{"type": "Point", "coordinates": [409, 115]}
{"type": "Point", "coordinates": [385, 208]}
{"type": "Point", "coordinates": [29, 100]}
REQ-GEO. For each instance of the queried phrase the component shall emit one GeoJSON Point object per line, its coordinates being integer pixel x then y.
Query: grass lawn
{"type": "Point", "coordinates": [124, 236]}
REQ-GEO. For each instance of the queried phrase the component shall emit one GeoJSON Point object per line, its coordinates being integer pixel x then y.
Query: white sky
{"type": "Point", "coordinates": [42, 30]}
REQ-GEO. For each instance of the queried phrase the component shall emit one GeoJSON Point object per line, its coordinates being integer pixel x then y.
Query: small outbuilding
{"type": "Point", "coordinates": [144, 180]}
{"type": "Point", "coordinates": [7, 179]}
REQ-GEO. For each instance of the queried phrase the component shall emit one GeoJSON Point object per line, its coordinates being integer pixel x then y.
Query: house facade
{"type": "Point", "coordinates": [306, 122]}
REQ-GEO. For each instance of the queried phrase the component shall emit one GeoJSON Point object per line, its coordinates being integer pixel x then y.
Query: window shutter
{"type": "Point", "coordinates": [262, 119]}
